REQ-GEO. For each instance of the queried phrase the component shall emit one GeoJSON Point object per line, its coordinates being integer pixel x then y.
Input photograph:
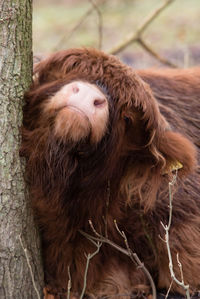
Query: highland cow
{"type": "Point", "coordinates": [101, 145]}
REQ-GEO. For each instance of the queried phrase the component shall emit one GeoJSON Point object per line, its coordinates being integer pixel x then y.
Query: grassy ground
{"type": "Point", "coordinates": [177, 26]}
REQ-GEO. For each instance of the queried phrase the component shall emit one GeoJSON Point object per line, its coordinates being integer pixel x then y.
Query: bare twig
{"type": "Point", "coordinates": [169, 289]}
{"type": "Point", "coordinates": [133, 256]}
{"type": "Point", "coordinates": [29, 266]}
{"type": "Point", "coordinates": [65, 38]}
{"type": "Point", "coordinates": [136, 36]}
{"type": "Point", "coordinates": [89, 257]}
{"type": "Point", "coordinates": [180, 267]}
{"type": "Point", "coordinates": [151, 51]}
{"type": "Point", "coordinates": [69, 285]}
{"type": "Point", "coordinates": [119, 231]}
{"type": "Point", "coordinates": [104, 240]}
{"type": "Point", "coordinates": [100, 23]}
{"type": "Point", "coordinates": [167, 229]}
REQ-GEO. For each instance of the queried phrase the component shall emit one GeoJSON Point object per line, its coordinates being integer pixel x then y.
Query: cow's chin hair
{"type": "Point", "coordinates": [73, 125]}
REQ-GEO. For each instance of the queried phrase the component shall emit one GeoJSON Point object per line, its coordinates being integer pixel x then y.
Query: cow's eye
{"type": "Point", "coordinates": [127, 120]}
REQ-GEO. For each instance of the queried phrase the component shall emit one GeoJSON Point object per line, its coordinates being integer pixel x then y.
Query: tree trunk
{"type": "Point", "coordinates": [21, 274]}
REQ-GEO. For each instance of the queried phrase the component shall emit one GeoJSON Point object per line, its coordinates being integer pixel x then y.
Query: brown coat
{"type": "Point", "coordinates": [150, 128]}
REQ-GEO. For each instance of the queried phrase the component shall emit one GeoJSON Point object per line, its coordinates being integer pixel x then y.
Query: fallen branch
{"type": "Point", "coordinates": [89, 257]}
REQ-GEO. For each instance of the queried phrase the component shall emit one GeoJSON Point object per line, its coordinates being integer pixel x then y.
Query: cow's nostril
{"type": "Point", "coordinates": [99, 102]}
{"type": "Point", "coordinates": [75, 89]}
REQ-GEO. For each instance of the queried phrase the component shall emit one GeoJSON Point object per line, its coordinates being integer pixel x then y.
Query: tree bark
{"type": "Point", "coordinates": [21, 274]}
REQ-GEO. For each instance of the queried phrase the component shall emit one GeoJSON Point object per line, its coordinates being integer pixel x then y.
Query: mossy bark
{"type": "Point", "coordinates": [21, 273]}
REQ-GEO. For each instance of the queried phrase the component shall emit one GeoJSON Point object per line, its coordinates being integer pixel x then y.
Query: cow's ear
{"type": "Point", "coordinates": [178, 151]}
{"type": "Point", "coordinates": [167, 152]}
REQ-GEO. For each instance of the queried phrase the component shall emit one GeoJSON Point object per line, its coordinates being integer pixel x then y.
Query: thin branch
{"type": "Point", "coordinates": [167, 229]}
{"type": "Point", "coordinates": [155, 54]}
{"type": "Point", "coordinates": [100, 23]}
{"type": "Point", "coordinates": [69, 285]}
{"type": "Point", "coordinates": [117, 228]}
{"type": "Point", "coordinates": [180, 266]}
{"type": "Point", "coordinates": [104, 240]}
{"type": "Point", "coordinates": [29, 266]}
{"type": "Point", "coordinates": [169, 289]}
{"type": "Point", "coordinates": [136, 35]}
{"type": "Point", "coordinates": [89, 257]}
{"type": "Point", "coordinates": [64, 39]}
{"type": "Point", "coordinates": [133, 256]}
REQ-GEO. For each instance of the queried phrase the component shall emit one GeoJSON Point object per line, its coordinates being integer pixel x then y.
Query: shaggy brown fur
{"type": "Point", "coordinates": [68, 180]}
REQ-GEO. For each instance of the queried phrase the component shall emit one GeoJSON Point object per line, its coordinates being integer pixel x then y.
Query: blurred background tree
{"type": "Point", "coordinates": [61, 24]}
